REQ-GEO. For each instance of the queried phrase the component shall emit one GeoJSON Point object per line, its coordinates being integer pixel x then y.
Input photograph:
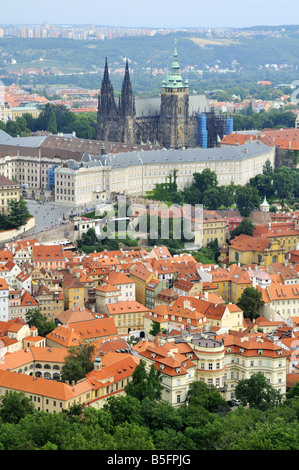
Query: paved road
{"type": "Point", "coordinates": [49, 215]}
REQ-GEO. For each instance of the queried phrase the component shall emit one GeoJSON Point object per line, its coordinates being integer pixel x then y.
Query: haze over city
{"type": "Point", "coordinates": [155, 14]}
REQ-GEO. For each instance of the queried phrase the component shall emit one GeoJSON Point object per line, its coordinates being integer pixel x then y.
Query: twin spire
{"type": "Point", "coordinates": [126, 102]}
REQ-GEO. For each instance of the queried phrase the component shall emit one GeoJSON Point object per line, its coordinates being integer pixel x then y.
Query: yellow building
{"type": "Point", "coordinates": [47, 395]}
{"type": "Point", "coordinates": [128, 316]}
{"type": "Point", "coordinates": [9, 191]}
{"type": "Point", "coordinates": [245, 249]}
{"type": "Point", "coordinates": [50, 302]}
{"type": "Point", "coordinates": [286, 232]}
{"type": "Point", "coordinates": [141, 276]}
{"type": "Point", "coordinates": [208, 226]}
{"type": "Point", "coordinates": [11, 113]}
{"type": "Point", "coordinates": [231, 282]}
{"type": "Point", "coordinates": [73, 292]}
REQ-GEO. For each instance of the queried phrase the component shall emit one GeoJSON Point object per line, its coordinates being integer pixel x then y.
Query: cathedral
{"type": "Point", "coordinates": [169, 120]}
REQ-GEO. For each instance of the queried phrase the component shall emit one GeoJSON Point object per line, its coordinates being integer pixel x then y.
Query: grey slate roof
{"type": "Point", "coordinates": [150, 107]}
{"type": "Point", "coordinates": [33, 142]}
{"type": "Point", "coordinates": [124, 160]}
{"type": "Point", "coordinates": [240, 152]}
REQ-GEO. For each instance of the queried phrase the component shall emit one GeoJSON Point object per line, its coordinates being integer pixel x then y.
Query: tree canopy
{"type": "Point", "coordinates": [145, 384]}
{"type": "Point", "coordinates": [250, 302]}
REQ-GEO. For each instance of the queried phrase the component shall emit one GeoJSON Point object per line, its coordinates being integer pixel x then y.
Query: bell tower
{"type": "Point", "coordinates": [174, 115]}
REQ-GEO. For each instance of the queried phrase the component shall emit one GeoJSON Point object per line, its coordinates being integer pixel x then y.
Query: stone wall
{"type": "Point", "coordinates": [9, 235]}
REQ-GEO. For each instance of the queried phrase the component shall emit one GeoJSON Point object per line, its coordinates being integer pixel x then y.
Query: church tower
{"type": "Point", "coordinates": [108, 118]}
{"type": "Point", "coordinates": [174, 113]}
{"type": "Point", "coordinates": [127, 111]}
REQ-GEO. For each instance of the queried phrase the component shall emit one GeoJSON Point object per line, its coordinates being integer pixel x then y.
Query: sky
{"type": "Point", "coordinates": [152, 13]}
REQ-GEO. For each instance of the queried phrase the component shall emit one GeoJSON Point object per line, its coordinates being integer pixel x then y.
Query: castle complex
{"type": "Point", "coordinates": [170, 120]}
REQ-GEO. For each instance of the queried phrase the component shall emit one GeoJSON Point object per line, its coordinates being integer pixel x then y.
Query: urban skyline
{"type": "Point", "coordinates": [160, 15]}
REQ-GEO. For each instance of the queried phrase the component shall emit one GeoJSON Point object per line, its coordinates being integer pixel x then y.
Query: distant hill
{"type": "Point", "coordinates": [246, 51]}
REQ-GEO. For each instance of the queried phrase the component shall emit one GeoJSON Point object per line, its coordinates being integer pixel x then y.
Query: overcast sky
{"type": "Point", "coordinates": [152, 13]}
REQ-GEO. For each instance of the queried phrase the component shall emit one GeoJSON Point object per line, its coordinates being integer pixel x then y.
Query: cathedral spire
{"type": "Point", "coordinates": [106, 72]}
{"type": "Point", "coordinates": [127, 102]}
{"type": "Point", "coordinates": [174, 79]}
{"type": "Point", "coordinates": [107, 106]}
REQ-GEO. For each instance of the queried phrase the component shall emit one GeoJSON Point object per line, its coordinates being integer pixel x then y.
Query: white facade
{"type": "Point", "coordinates": [4, 301]}
{"type": "Point", "coordinates": [136, 173]}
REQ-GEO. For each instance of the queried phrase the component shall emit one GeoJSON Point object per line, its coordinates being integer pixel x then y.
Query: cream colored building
{"type": "Point", "coordinates": [11, 113]}
{"type": "Point", "coordinates": [9, 191]}
{"type": "Point", "coordinates": [28, 170]}
{"type": "Point", "coordinates": [136, 173]}
{"type": "Point", "coordinates": [250, 354]}
{"type": "Point", "coordinates": [185, 359]}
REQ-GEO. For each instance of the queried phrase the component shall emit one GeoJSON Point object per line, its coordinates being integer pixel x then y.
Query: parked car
{"type": "Point", "coordinates": [235, 402]}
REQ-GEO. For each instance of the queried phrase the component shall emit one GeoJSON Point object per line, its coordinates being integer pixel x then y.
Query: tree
{"type": "Point", "coordinates": [34, 317]}
{"type": "Point", "coordinates": [144, 384]}
{"type": "Point", "coordinates": [245, 227]}
{"type": "Point", "coordinates": [123, 408]}
{"type": "Point", "coordinates": [200, 394]}
{"type": "Point", "coordinates": [293, 392]}
{"type": "Point", "coordinates": [250, 302]}
{"type": "Point", "coordinates": [155, 328]}
{"type": "Point", "coordinates": [214, 247]}
{"type": "Point", "coordinates": [131, 436]}
{"type": "Point", "coordinates": [52, 125]}
{"type": "Point", "coordinates": [283, 182]}
{"type": "Point", "coordinates": [267, 168]}
{"type": "Point", "coordinates": [247, 199]}
{"type": "Point", "coordinates": [78, 363]}
{"type": "Point", "coordinates": [15, 406]}
{"type": "Point", "coordinates": [257, 392]}
{"type": "Point", "coordinates": [212, 199]}
{"type": "Point", "coordinates": [205, 180]}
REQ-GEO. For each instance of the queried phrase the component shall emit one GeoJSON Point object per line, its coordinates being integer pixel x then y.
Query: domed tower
{"type": "Point", "coordinates": [174, 115]}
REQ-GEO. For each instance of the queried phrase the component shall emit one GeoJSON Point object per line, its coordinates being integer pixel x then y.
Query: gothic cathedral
{"type": "Point", "coordinates": [169, 120]}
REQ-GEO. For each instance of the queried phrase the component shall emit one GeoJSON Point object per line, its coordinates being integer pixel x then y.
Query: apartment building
{"type": "Point", "coordinates": [141, 276]}
{"type": "Point", "coordinates": [281, 302]}
{"type": "Point", "coordinates": [50, 302]}
{"type": "Point", "coordinates": [48, 257]}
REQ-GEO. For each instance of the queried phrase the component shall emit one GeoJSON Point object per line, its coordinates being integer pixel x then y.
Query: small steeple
{"type": "Point", "coordinates": [97, 363]}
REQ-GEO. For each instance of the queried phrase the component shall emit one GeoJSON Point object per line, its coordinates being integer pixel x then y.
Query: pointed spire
{"type": "Point", "coordinates": [175, 67]}
{"type": "Point", "coordinates": [127, 74]}
{"type": "Point", "coordinates": [127, 101]}
{"type": "Point", "coordinates": [106, 72]}
{"type": "Point", "coordinates": [174, 79]}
